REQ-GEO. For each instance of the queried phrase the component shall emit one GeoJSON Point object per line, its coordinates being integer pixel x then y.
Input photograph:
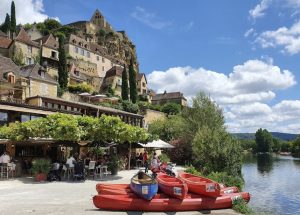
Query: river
{"type": "Point", "coordinates": [273, 182]}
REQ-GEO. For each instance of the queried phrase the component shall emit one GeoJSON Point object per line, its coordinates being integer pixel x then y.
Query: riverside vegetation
{"type": "Point", "coordinates": [204, 144]}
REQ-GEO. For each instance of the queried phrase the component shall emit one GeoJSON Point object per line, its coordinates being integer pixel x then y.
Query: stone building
{"type": "Point", "coordinates": [173, 97]}
{"type": "Point", "coordinates": [4, 44]}
{"type": "Point", "coordinates": [141, 83]}
{"type": "Point", "coordinates": [39, 82]}
{"type": "Point", "coordinates": [23, 49]}
{"type": "Point", "coordinates": [113, 79]}
{"type": "Point", "coordinates": [49, 54]}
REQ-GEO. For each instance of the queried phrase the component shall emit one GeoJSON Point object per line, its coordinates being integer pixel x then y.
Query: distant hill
{"type": "Point", "coordinates": [279, 135]}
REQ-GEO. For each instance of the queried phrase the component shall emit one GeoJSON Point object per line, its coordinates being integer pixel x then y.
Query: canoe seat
{"type": "Point", "coordinates": [143, 181]}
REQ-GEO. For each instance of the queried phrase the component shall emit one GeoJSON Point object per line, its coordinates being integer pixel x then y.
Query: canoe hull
{"type": "Point", "coordinates": [144, 185]}
{"type": "Point", "coordinates": [172, 186]}
{"type": "Point", "coordinates": [205, 186]}
{"type": "Point", "coordinates": [131, 202]}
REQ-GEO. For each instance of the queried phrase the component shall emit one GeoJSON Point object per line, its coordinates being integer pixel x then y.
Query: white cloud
{"type": "Point", "coordinates": [259, 10]}
{"type": "Point", "coordinates": [287, 38]}
{"type": "Point", "coordinates": [149, 19]}
{"type": "Point", "coordinates": [243, 94]}
{"type": "Point", "coordinates": [252, 81]}
{"type": "Point", "coordinates": [249, 32]}
{"type": "Point", "coordinates": [27, 11]}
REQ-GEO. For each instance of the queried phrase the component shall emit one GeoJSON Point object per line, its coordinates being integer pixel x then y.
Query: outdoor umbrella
{"type": "Point", "coordinates": [157, 144]}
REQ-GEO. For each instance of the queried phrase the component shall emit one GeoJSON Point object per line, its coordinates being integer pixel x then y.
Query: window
{"type": "Point", "coordinates": [11, 79]}
{"type": "Point", "coordinates": [98, 58]}
{"type": "Point", "coordinates": [88, 54]}
{"type": "Point", "coordinates": [144, 84]}
{"type": "Point", "coordinates": [103, 60]}
{"type": "Point", "coordinates": [29, 49]}
{"type": "Point", "coordinates": [29, 61]}
{"type": "Point", "coordinates": [102, 68]}
{"type": "Point", "coordinates": [76, 73]}
{"type": "Point", "coordinates": [25, 117]}
{"type": "Point", "coordinates": [53, 54]}
{"type": "Point", "coordinates": [3, 118]}
{"type": "Point", "coordinates": [82, 52]}
{"type": "Point", "coordinates": [76, 49]}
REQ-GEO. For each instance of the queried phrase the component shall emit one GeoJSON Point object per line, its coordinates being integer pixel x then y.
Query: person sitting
{"type": "Point", "coordinates": [5, 158]}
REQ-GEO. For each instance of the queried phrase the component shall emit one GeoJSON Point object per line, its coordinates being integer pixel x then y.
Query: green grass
{"type": "Point", "coordinates": [239, 205]}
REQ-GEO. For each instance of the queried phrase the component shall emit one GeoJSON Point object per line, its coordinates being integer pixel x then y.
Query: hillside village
{"type": "Point", "coordinates": [96, 57]}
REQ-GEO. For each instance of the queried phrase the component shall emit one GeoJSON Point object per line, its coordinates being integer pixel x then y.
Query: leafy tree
{"type": "Point", "coordinates": [264, 140]}
{"type": "Point", "coordinates": [296, 146]}
{"type": "Point", "coordinates": [6, 25]}
{"type": "Point", "coordinates": [110, 91]}
{"type": "Point", "coordinates": [171, 108]}
{"type": "Point", "coordinates": [51, 24]}
{"type": "Point", "coordinates": [215, 150]}
{"type": "Point", "coordinates": [124, 84]}
{"type": "Point", "coordinates": [276, 145]}
{"type": "Point", "coordinates": [13, 24]}
{"type": "Point", "coordinates": [132, 82]}
{"type": "Point", "coordinates": [62, 69]}
{"type": "Point", "coordinates": [27, 26]}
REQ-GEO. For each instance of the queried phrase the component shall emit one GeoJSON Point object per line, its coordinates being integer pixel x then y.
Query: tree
{"type": "Point", "coordinates": [130, 107]}
{"type": "Point", "coordinates": [124, 84]}
{"type": "Point", "coordinates": [6, 25]}
{"type": "Point", "coordinates": [132, 82]}
{"type": "Point", "coordinates": [215, 150]}
{"type": "Point", "coordinates": [62, 72]}
{"type": "Point", "coordinates": [13, 23]}
{"type": "Point", "coordinates": [51, 24]}
{"type": "Point", "coordinates": [17, 56]}
{"type": "Point", "coordinates": [264, 140]}
{"type": "Point", "coordinates": [171, 108]}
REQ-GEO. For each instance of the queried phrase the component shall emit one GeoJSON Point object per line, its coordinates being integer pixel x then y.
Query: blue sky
{"type": "Point", "coordinates": [245, 54]}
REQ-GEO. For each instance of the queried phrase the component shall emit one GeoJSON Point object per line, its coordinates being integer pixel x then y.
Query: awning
{"type": "Point", "coordinates": [157, 144]}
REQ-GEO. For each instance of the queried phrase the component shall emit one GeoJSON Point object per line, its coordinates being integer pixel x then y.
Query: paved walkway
{"type": "Point", "coordinates": [23, 196]}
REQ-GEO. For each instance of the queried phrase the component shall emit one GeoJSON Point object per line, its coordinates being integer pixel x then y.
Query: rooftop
{"type": "Point", "coordinates": [166, 96]}
{"type": "Point", "coordinates": [114, 71]}
{"type": "Point", "coordinates": [5, 42]}
{"type": "Point", "coordinates": [25, 38]}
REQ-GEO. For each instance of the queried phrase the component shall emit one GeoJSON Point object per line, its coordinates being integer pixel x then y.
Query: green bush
{"type": "Point", "coordinates": [171, 108]}
{"type": "Point", "coordinates": [40, 166]}
{"type": "Point", "coordinates": [130, 107]}
{"type": "Point", "coordinates": [81, 88]}
{"type": "Point", "coordinates": [226, 179]}
{"type": "Point", "coordinates": [164, 158]}
{"type": "Point", "coordinates": [239, 205]}
{"type": "Point", "coordinates": [221, 177]}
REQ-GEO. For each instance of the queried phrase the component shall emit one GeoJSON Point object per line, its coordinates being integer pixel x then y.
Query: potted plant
{"type": "Point", "coordinates": [40, 168]}
{"type": "Point", "coordinates": [113, 164]}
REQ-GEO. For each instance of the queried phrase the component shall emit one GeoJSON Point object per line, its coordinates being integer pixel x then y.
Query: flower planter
{"type": "Point", "coordinates": [41, 177]}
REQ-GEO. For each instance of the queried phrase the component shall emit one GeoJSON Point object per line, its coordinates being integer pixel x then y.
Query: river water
{"type": "Point", "coordinates": [273, 182]}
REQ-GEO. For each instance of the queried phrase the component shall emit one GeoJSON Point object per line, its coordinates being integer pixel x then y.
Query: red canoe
{"type": "Point", "coordinates": [161, 202]}
{"type": "Point", "coordinates": [172, 186]}
{"type": "Point", "coordinates": [205, 186]}
{"type": "Point", "coordinates": [100, 186]}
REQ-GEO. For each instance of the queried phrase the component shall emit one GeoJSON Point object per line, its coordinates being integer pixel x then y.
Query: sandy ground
{"type": "Point", "coordinates": [23, 196]}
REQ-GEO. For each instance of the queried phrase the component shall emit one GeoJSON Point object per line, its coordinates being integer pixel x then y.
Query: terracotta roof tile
{"type": "Point", "coordinates": [5, 42]}
{"type": "Point", "coordinates": [25, 38]}
{"type": "Point", "coordinates": [32, 71]}
{"type": "Point", "coordinates": [49, 41]}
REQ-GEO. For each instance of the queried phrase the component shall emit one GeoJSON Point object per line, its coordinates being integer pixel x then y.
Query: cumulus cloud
{"type": "Point", "coordinates": [259, 10]}
{"type": "Point", "coordinates": [243, 94]}
{"type": "Point", "coordinates": [27, 11]}
{"type": "Point", "coordinates": [148, 18]}
{"type": "Point", "coordinates": [255, 80]}
{"type": "Point", "coordinates": [286, 38]}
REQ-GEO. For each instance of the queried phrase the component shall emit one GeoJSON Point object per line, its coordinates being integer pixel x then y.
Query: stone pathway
{"type": "Point", "coordinates": [23, 196]}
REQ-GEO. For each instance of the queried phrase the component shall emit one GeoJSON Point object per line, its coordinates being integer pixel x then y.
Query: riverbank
{"type": "Point", "coordinates": [23, 196]}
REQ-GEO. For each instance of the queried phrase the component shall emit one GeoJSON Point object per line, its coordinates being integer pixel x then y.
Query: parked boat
{"type": "Point", "coordinates": [144, 185]}
{"type": "Point", "coordinates": [164, 203]}
{"type": "Point", "coordinates": [204, 186]}
{"type": "Point", "coordinates": [112, 187]}
{"type": "Point", "coordinates": [172, 186]}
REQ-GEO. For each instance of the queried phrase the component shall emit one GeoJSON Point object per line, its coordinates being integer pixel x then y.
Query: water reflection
{"type": "Point", "coordinates": [264, 163]}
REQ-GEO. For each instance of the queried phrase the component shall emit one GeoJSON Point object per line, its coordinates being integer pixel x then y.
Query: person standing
{"type": "Point", "coordinates": [145, 161]}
